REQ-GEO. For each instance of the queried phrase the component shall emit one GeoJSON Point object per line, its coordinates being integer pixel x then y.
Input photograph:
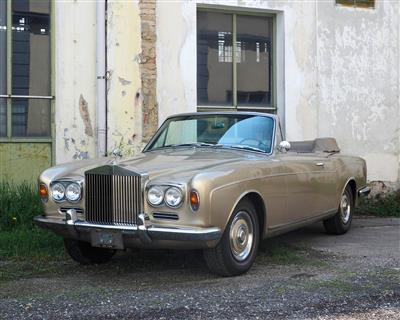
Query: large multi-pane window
{"type": "Point", "coordinates": [25, 69]}
{"type": "Point", "coordinates": [235, 61]}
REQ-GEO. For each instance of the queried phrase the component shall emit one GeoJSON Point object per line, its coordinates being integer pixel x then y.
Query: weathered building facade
{"type": "Point", "coordinates": [116, 69]}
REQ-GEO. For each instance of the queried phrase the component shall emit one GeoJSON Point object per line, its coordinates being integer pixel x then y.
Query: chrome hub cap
{"type": "Point", "coordinates": [345, 208]}
{"type": "Point", "coordinates": [241, 236]}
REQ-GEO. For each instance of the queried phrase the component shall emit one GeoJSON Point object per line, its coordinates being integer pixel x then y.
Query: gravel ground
{"type": "Point", "coordinates": [302, 275]}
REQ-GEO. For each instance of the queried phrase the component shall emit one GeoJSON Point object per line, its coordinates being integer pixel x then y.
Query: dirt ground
{"type": "Point", "coordinates": [302, 275]}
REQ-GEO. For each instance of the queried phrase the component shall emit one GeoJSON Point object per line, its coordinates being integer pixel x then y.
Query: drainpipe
{"type": "Point", "coordinates": [101, 82]}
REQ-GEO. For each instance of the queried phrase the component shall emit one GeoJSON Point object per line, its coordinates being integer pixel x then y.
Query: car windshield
{"type": "Point", "coordinates": [249, 132]}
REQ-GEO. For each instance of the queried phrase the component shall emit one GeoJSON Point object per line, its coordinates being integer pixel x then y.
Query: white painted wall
{"type": "Point", "coordinates": [75, 71]}
{"type": "Point", "coordinates": [75, 76]}
{"type": "Point", "coordinates": [338, 72]}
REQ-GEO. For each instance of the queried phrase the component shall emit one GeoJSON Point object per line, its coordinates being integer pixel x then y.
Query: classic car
{"type": "Point", "coordinates": [217, 181]}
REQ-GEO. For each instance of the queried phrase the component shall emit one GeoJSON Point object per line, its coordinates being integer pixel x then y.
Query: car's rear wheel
{"type": "Point", "coordinates": [340, 223]}
{"type": "Point", "coordinates": [84, 253]}
{"type": "Point", "coordinates": [237, 249]}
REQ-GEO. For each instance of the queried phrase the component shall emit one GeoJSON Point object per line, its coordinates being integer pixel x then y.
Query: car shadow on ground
{"type": "Point", "coordinates": [141, 262]}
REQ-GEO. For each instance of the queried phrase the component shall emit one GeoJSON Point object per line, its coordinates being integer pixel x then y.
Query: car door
{"type": "Point", "coordinates": [311, 184]}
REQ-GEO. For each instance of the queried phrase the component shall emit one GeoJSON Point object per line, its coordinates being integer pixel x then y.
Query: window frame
{"type": "Point", "coordinates": [9, 138]}
{"type": "Point", "coordinates": [234, 12]}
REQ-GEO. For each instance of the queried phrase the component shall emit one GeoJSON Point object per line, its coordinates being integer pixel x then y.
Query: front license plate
{"type": "Point", "coordinates": [107, 239]}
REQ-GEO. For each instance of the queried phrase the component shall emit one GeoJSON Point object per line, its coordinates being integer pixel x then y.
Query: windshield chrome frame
{"type": "Point", "coordinates": [258, 114]}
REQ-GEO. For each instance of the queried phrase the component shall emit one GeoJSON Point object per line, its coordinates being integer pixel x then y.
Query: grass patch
{"type": "Point", "coordinates": [24, 248]}
{"type": "Point", "coordinates": [24, 243]}
{"type": "Point", "coordinates": [387, 206]}
{"type": "Point", "coordinates": [18, 205]}
{"type": "Point", "coordinates": [285, 255]}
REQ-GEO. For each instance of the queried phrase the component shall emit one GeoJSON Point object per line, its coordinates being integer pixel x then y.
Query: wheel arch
{"type": "Point", "coordinates": [353, 185]}
{"type": "Point", "coordinates": [259, 204]}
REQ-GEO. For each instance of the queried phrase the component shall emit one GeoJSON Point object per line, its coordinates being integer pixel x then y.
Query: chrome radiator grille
{"type": "Point", "coordinates": [113, 195]}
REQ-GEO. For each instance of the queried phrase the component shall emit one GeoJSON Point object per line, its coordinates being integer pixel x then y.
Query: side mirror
{"type": "Point", "coordinates": [284, 146]}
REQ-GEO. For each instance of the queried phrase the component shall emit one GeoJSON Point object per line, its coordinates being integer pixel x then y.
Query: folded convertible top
{"type": "Point", "coordinates": [328, 145]}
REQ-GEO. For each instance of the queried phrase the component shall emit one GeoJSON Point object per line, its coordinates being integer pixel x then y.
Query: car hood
{"type": "Point", "coordinates": [173, 163]}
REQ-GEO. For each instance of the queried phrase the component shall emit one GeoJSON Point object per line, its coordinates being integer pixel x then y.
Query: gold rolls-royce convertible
{"type": "Point", "coordinates": [217, 181]}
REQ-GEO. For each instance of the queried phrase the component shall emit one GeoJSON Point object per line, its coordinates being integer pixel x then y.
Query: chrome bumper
{"type": "Point", "coordinates": [364, 192]}
{"type": "Point", "coordinates": [145, 233]}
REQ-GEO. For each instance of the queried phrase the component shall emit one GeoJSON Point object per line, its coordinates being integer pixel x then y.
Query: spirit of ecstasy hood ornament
{"type": "Point", "coordinates": [117, 154]}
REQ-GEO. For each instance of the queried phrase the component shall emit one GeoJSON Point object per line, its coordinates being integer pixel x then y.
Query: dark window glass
{"type": "Point", "coordinates": [357, 3]}
{"type": "Point", "coordinates": [31, 118]}
{"type": "Point", "coordinates": [3, 47]}
{"type": "Point", "coordinates": [3, 67]}
{"type": "Point", "coordinates": [254, 60]}
{"type": "Point", "coordinates": [214, 59]}
{"type": "Point", "coordinates": [31, 47]}
{"type": "Point", "coordinates": [3, 117]}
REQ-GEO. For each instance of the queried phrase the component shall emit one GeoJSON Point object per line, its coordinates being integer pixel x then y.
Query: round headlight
{"type": "Point", "coordinates": [58, 191]}
{"type": "Point", "coordinates": [155, 195]}
{"type": "Point", "coordinates": [173, 197]}
{"type": "Point", "coordinates": [73, 192]}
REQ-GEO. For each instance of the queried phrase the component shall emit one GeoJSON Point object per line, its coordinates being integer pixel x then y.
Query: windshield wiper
{"type": "Point", "coordinates": [211, 145]}
{"type": "Point", "coordinates": [243, 147]}
{"type": "Point", "coordinates": [194, 144]}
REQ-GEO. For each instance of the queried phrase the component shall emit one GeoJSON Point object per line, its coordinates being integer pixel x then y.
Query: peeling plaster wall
{"type": "Point", "coordinates": [359, 83]}
{"type": "Point", "coordinates": [75, 86]}
{"type": "Point", "coordinates": [340, 72]}
{"type": "Point", "coordinates": [176, 57]}
{"type": "Point", "coordinates": [124, 95]}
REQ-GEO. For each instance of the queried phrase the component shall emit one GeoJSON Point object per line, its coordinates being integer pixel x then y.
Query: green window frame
{"type": "Point", "coordinates": [357, 3]}
{"type": "Point", "coordinates": [235, 12]}
{"type": "Point", "coordinates": [9, 96]}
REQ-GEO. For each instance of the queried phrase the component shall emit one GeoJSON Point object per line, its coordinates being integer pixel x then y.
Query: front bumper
{"type": "Point", "coordinates": [364, 192]}
{"type": "Point", "coordinates": [135, 235]}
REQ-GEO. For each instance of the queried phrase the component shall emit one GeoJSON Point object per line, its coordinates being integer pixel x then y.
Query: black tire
{"type": "Point", "coordinates": [84, 253]}
{"type": "Point", "coordinates": [338, 224]}
{"type": "Point", "coordinates": [222, 259]}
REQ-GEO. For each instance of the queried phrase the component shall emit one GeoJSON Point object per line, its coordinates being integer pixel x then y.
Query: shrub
{"type": "Point", "coordinates": [18, 205]}
{"type": "Point", "coordinates": [387, 206]}
{"type": "Point", "coordinates": [19, 237]}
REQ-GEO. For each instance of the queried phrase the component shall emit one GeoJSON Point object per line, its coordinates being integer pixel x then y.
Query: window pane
{"type": "Point", "coordinates": [254, 60]}
{"type": "Point", "coordinates": [214, 59]}
{"type": "Point", "coordinates": [365, 3]}
{"type": "Point", "coordinates": [346, 2]}
{"type": "Point", "coordinates": [3, 48]}
{"type": "Point", "coordinates": [3, 117]}
{"type": "Point", "coordinates": [31, 118]}
{"type": "Point", "coordinates": [31, 47]}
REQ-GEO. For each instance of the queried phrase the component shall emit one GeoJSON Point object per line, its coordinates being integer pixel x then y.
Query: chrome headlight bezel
{"type": "Point", "coordinates": [65, 184]}
{"type": "Point", "coordinates": [177, 191]}
{"type": "Point", "coordinates": [163, 188]}
{"type": "Point", "coordinates": [161, 199]}
{"type": "Point", "coordinates": [79, 188]}
{"type": "Point", "coordinates": [54, 185]}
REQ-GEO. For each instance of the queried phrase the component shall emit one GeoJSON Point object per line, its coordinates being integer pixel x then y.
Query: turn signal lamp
{"type": "Point", "coordinates": [194, 200]}
{"type": "Point", "coordinates": [43, 192]}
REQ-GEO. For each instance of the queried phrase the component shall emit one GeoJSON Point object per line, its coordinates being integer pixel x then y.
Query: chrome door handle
{"type": "Point", "coordinates": [319, 164]}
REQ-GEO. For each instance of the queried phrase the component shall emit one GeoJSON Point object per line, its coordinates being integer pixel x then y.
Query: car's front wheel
{"type": "Point", "coordinates": [237, 249]}
{"type": "Point", "coordinates": [84, 253]}
{"type": "Point", "coordinates": [340, 223]}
